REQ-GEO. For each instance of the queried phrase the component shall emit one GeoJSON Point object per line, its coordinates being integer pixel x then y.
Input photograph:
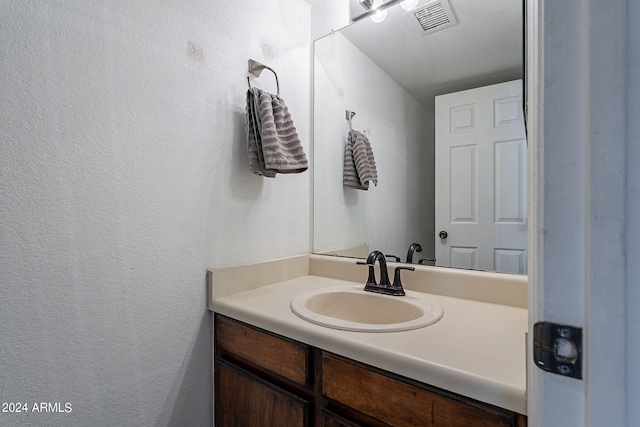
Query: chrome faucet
{"type": "Point", "coordinates": [385, 286]}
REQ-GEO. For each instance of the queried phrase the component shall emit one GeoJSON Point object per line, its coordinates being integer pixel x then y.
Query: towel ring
{"type": "Point", "coordinates": [256, 68]}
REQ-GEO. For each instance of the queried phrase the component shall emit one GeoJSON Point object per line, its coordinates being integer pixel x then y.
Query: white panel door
{"type": "Point", "coordinates": [481, 179]}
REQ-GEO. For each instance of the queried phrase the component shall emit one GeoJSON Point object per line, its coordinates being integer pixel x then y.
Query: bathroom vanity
{"type": "Point", "coordinates": [263, 378]}
{"type": "Point", "coordinates": [273, 368]}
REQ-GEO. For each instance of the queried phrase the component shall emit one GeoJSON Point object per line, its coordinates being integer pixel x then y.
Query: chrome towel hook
{"type": "Point", "coordinates": [256, 68]}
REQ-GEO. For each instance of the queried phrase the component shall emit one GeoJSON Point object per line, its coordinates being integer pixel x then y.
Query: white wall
{"type": "Point", "coordinates": [399, 210]}
{"type": "Point", "coordinates": [328, 15]}
{"type": "Point", "coordinates": [123, 177]}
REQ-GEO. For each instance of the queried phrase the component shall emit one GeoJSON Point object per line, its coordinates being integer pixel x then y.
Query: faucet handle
{"type": "Point", "coordinates": [424, 261]}
{"type": "Point", "coordinates": [396, 276]}
{"type": "Point", "coordinates": [393, 257]}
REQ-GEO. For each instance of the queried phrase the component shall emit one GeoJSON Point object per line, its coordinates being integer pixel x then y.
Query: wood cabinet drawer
{"type": "Point", "coordinates": [244, 399]}
{"type": "Point", "coordinates": [281, 356]}
{"type": "Point", "coordinates": [400, 404]}
{"type": "Point", "coordinates": [329, 419]}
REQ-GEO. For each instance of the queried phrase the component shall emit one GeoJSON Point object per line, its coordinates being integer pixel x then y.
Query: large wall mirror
{"type": "Point", "coordinates": [424, 79]}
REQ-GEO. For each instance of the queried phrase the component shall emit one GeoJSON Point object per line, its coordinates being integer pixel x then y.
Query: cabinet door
{"type": "Point", "coordinates": [329, 419]}
{"type": "Point", "coordinates": [400, 404]}
{"type": "Point", "coordinates": [242, 399]}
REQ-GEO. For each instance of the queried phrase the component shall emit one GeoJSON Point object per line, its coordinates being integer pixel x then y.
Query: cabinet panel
{"type": "Point", "coordinates": [279, 355]}
{"type": "Point", "coordinates": [400, 404]}
{"type": "Point", "coordinates": [329, 419]}
{"type": "Point", "coordinates": [243, 399]}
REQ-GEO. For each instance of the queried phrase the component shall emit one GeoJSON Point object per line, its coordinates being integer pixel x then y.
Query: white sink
{"type": "Point", "coordinates": [350, 308]}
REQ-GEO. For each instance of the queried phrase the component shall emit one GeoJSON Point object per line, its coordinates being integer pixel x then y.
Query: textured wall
{"type": "Point", "coordinates": [123, 176]}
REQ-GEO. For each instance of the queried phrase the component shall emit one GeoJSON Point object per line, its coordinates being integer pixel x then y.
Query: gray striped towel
{"type": "Point", "coordinates": [272, 140]}
{"type": "Point", "coordinates": [359, 163]}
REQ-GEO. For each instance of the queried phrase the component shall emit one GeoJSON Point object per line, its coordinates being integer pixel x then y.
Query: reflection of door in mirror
{"type": "Point", "coordinates": [481, 179]}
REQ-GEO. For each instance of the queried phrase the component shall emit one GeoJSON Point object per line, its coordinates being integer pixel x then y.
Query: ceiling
{"type": "Point", "coordinates": [484, 47]}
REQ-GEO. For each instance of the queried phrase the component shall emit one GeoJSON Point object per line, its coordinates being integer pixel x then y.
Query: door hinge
{"type": "Point", "coordinates": [558, 349]}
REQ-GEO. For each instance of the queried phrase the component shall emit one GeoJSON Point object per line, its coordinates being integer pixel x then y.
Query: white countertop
{"type": "Point", "coordinates": [476, 350]}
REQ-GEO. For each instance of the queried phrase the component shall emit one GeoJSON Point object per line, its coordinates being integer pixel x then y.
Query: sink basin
{"type": "Point", "coordinates": [350, 308]}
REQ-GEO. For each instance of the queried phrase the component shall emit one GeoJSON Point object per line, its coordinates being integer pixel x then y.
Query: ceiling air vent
{"type": "Point", "coordinates": [433, 16]}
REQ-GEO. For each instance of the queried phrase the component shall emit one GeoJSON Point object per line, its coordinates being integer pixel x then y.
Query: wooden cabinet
{"type": "Point", "coordinates": [400, 403]}
{"type": "Point", "coordinates": [278, 355]}
{"type": "Point", "coordinates": [262, 379]}
{"type": "Point", "coordinates": [243, 399]}
{"type": "Point", "coordinates": [329, 419]}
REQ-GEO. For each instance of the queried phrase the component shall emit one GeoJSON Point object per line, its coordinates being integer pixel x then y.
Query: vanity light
{"type": "Point", "coordinates": [409, 4]}
{"type": "Point", "coordinates": [380, 15]}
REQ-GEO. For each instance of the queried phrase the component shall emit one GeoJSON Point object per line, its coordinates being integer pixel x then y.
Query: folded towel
{"type": "Point", "coordinates": [272, 140]}
{"type": "Point", "coordinates": [359, 163]}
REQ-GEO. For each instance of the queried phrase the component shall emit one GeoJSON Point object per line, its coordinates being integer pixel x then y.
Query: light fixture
{"type": "Point", "coordinates": [380, 15]}
{"type": "Point", "coordinates": [409, 4]}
